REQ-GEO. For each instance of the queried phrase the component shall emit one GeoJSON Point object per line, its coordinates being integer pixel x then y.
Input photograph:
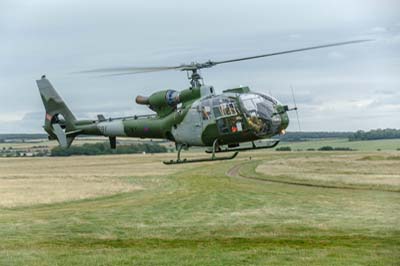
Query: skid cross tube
{"type": "Point", "coordinates": [215, 148]}
{"type": "Point", "coordinates": [254, 147]}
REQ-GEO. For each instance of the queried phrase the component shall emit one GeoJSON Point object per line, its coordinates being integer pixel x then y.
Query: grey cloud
{"type": "Point", "coordinates": [59, 37]}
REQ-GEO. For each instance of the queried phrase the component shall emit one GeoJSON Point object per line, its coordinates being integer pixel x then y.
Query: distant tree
{"type": "Point", "coordinates": [283, 148]}
{"type": "Point", "coordinates": [343, 149]}
{"type": "Point", "coordinates": [326, 148]}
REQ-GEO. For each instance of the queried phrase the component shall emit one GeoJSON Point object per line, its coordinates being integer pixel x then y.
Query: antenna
{"type": "Point", "coordinates": [295, 107]}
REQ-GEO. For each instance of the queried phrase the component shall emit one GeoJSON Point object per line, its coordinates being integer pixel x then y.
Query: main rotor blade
{"type": "Point", "coordinates": [132, 73]}
{"type": "Point", "coordinates": [288, 51]}
{"type": "Point", "coordinates": [133, 70]}
{"type": "Point", "coordinates": [117, 71]}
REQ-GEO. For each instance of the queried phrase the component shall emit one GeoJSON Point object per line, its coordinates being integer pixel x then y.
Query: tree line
{"type": "Point", "coordinates": [104, 148]}
{"type": "Point", "coordinates": [387, 133]}
{"type": "Point", "coordinates": [22, 136]}
{"type": "Point", "coordinates": [301, 136]}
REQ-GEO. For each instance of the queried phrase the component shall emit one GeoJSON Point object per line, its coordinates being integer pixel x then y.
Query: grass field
{"type": "Point", "coordinates": [294, 208]}
{"type": "Point", "coordinates": [370, 145]}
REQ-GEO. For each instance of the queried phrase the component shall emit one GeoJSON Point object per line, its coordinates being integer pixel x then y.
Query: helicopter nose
{"type": "Point", "coordinates": [284, 122]}
{"type": "Point", "coordinates": [284, 118]}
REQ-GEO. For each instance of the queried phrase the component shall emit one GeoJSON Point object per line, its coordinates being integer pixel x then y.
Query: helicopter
{"type": "Point", "coordinates": [196, 116]}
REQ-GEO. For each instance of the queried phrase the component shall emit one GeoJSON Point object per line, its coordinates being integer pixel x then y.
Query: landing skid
{"type": "Point", "coordinates": [213, 157]}
{"type": "Point", "coordinates": [254, 147]}
{"type": "Point", "coordinates": [201, 160]}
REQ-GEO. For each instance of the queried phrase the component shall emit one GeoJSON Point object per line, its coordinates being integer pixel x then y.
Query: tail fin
{"type": "Point", "coordinates": [59, 119]}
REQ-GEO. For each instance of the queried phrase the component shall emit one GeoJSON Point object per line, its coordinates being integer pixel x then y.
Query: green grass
{"type": "Point", "coordinates": [200, 216]}
{"type": "Point", "coordinates": [369, 145]}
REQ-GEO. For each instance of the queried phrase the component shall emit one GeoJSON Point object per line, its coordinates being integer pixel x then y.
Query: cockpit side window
{"type": "Point", "coordinates": [249, 105]}
{"type": "Point", "coordinates": [269, 98]}
{"type": "Point", "coordinates": [227, 115]}
{"type": "Point", "coordinates": [258, 111]}
{"type": "Point", "coordinates": [227, 109]}
{"type": "Point", "coordinates": [205, 109]}
{"type": "Point", "coordinates": [224, 107]}
{"type": "Point", "coordinates": [254, 103]}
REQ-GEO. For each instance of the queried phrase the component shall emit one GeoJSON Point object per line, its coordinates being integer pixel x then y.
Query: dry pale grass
{"type": "Point", "coordinates": [344, 169]}
{"type": "Point", "coordinates": [30, 191]}
{"type": "Point", "coordinates": [28, 181]}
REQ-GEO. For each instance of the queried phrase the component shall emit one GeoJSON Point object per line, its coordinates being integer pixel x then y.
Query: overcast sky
{"type": "Point", "coordinates": [337, 89]}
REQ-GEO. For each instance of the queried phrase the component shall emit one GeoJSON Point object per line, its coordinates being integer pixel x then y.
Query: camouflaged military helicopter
{"type": "Point", "coordinates": [196, 116]}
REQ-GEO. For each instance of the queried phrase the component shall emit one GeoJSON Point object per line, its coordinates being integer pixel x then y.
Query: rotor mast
{"type": "Point", "coordinates": [196, 80]}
